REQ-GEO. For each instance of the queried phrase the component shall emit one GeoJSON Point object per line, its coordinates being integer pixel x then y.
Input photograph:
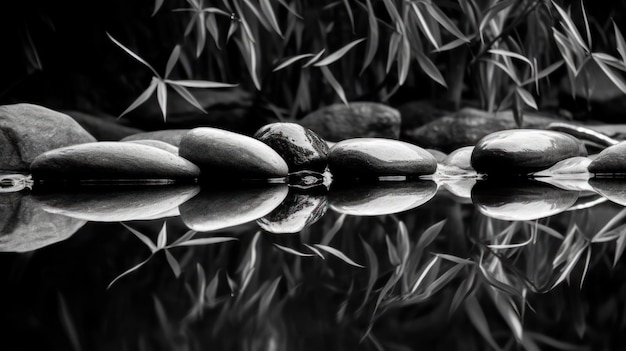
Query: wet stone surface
{"type": "Point", "coordinates": [295, 213]}
{"type": "Point", "coordinates": [611, 160]}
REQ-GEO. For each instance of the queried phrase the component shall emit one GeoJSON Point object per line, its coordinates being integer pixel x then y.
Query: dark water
{"type": "Point", "coordinates": [390, 266]}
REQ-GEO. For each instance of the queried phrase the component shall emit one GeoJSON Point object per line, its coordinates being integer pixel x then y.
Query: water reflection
{"type": "Point", "coordinates": [296, 212]}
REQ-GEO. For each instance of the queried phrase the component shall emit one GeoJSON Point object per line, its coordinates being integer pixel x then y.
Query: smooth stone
{"type": "Point", "coordinates": [215, 209]}
{"type": "Point", "coordinates": [458, 162]}
{"type": "Point", "coordinates": [613, 189]}
{"type": "Point", "coordinates": [380, 198]}
{"type": "Point", "coordinates": [521, 200]}
{"type": "Point", "coordinates": [158, 144]}
{"type": "Point", "coordinates": [111, 161]}
{"type": "Point", "coordinates": [224, 154]}
{"type": "Point", "coordinates": [523, 151]}
{"type": "Point", "coordinates": [375, 157]}
{"type": "Point", "coordinates": [571, 168]}
{"type": "Point", "coordinates": [27, 131]}
{"type": "Point", "coordinates": [295, 213]}
{"type": "Point", "coordinates": [170, 136]}
{"type": "Point", "coordinates": [438, 155]}
{"type": "Point", "coordinates": [358, 119]}
{"type": "Point", "coordinates": [611, 160]}
{"type": "Point", "coordinates": [25, 226]}
{"type": "Point", "coordinates": [116, 204]}
{"type": "Point", "coordinates": [298, 146]}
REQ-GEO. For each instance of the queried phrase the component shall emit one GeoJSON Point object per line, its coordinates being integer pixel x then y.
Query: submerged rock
{"type": "Point", "coordinates": [521, 200]}
{"type": "Point", "coordinates": [116, 204]}
{"type": "Point", "coordinates": [215, 209]}
{"type": "Point", "coordinates": [25, 226]}
{"type": "Point", "coordinates": [26, 131]}
{"type": "Point", "coordinates": [611, 160]}
{"type": "Point", "coordinates": [170, 136]}
{"type": "Point", "coordinates": [523, 151]}
{"type": "Point", "coordinates": [111, 161]}
{"type": "Point", "coordinates": [380, 198]}
{"type": "Point", "coordinates": [295, 213]}
{"type": "Point", "coordinates": [375, 157]}
{"type": "Point", "coordinates": [358, 119]}
{"type": "Point", "coordinates": [223, 154]}
{"type": "Point", "coordinates": [158, 144]}
{"type": "Point", "coordinates": [298, 146]}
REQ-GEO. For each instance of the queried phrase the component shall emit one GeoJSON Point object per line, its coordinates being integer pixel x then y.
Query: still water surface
{"type": "Point", "coordinates": [458, 265]}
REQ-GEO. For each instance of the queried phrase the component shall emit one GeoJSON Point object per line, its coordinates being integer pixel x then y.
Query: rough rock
{"type": "Point", "coordinates": [215, 209]}
{"type": "Point", "coordinates": [26, 131]}
{"type": "Point", "coordinates": [170, 136]}
{"type": "Point", "coordinates": [298, 146]}
{"type": "Point", "coordinates": [295, 213]}
{"type": "Point", "coordinates": [359, 119]}
{"type": "Point", "coordinates": [375, 157]}
{"type": "Point", "coordinates": [227, 155]}
{"type": "Point", "coordinates": [610, 160]}
{"type": "Point", "coordinates": [467, 126]}
{"type": "Point", "coordinates": [158, 144]}
{"type": "Point", "coordinates": [25, 226]}
{"type": "Point", "coordinates": [103, 128]}
{"type": "Point", "coordinates": [111, 161]}
{"type": "Point", "coordinates": [523, 151]}
{"type": "Point", "coordinates": [116, 204]}
{"type": "Point", "coordinates": [380, 198]}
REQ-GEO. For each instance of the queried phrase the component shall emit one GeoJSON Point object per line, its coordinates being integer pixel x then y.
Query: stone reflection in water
{"type": "Point", "coordinates": [613, 189]}
{"type": "Point", "coordinates": [459, 187]}
{"type": "Point", "coordinates": [219, 208]}
{"type": "Point", "coordinates": [116, 204]}
{"type": "Point", "coordinates": [521, 200]}
{"type": "Point", "coordinates": [296, 212]}
{"type": "Point", "coordinates": [381, 198]}
{"type": "Point", "coordinates": [25, 226]}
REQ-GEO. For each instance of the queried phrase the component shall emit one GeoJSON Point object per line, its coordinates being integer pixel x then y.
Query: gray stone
{"type": "Point", "coordinates": [156, 143]}
{"type": "Point", "coordinates": [228, 155]}
{"type": "Point", "coordinates": [523, 151]}
{"type": "Point", "coordinates": [458, 162]}
{"type": "Point", "coordinates": [573, 167]}
{"type": "Point", "coordinates": [102, 127]}
{"type": "Point", "coordinates": [467, 126]}
{"type": "Point", "coordinates": [170, 136]}
{"type": "Point", "coordinates": [439, 155]}
{"type": "Point", "coordinates": [375, 157]}
{"type": "Point", "coordinates": [610, 160]}
{"type": "Point", "coordinates": [359, 119]}
{"type": "Point", "coordinates": [215, 209]}
{"type": "Point", "coordinates": [295, 213]}
{"type": "Point", "coordinates": [25, 226]}
{"type": "Point", "coordinates": [298, 146]}
{"type": "Point", "coordinates": [26, 131]}
{"type": "Point", "coordinates": [613, 189]}
{"type": "Point", "coordinates": [116, 204]}
{"type": "Point", "coordinates": [111, 161]}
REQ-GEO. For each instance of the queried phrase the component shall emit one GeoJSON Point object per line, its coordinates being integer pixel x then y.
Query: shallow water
{"type": "Point", "coordinates": [462, 264]}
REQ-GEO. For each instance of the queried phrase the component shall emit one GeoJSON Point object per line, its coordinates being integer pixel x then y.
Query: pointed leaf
{"type": "Point", "coordinates": [451, 45]}
{"type": "Point", "coordinates": [201, 33]}
{"type": "Point", "coordinates": [569, 24]}
{"type": "Point", "coordinates": [445, 21]}
{"type": "Point", "coordinates": [372, 40]}
{"type": "Point", "coordinates": [394, 44]}
{"type": "Point", "coordinates": [544, 73]}
{"type": "Point", "coordinates": [621, 43]}
{"type": "Point", "coordinates": [338, 254]}
{"type": "Point", "coordinates": [404, 60]}
{"type": "Point", "coordinates": [315, 251]}
{"type": "Point", "coordinates": [292, 251]}
{"type": "Point", "coordinates": [132, 54]}
{"type": "Point", "coordinates": [620, 244]}
{"type": "Point", "coordinates": [162, 98]}
{"type": "Point", "coordinates": [479, 321]}
{"type": "Point", "coordinates": [614, 77]}
{"type": "Point", "coordinates": [425, 271]}
{"type": "Point", "coordinates": [141, 237]}
{"type": "Point", "coordinates": [587, 29]}
{"type": "Point", "coordinates": [172, 60]}
{"type": "Point", "coordinates": [507, 53]}
{"type": "Point", "coordinates": [174, 265]}
{"type": "Point", "coordinates": [188, 235]}
{"type": "Point", "coordinates": [314, 58]}
{"type": "Point", "coordinates": [157, 6]}
{"type": "Point", "coordinates": [185, 94]}
{"type": "Point", "coordinates": [290, 61]}
{"type": "Point", "coordinates": [527, 97]}
{"type": "Point", "coordinates": [430, 69]}
{"type": "Point", "coordinates": [142, 98]}
{"type": "Point", "coordinates": [334, 84]}
{"type": "Point", "coordinates": [338, 54]}
{"type": "Point", "coordinates": [423, 25]}
{"type": "Point", "coordinates": [206, 84]}
{"type": "Point", "coordinates": [162, 238]}
{"type": "Point", "coordinates": [206, 241]}
{"type": "Point", "coordinates": [214, 31]}
{"type": "Point", "coordinates": [266, 7]}
{"type": "Point", "coordinates": [129, 271]}
{"type": "Point", "coordinates": [430, 234]}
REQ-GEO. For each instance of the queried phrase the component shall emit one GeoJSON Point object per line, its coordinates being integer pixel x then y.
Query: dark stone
{"type": "Point", "coordinates": [298, 146]}
{"type": "Point", "coordinates": [520, 200]}
{"type": "Point", "coordinates": [111, 161]}
{"type": "Point", "coordinates": [467, 126]}
{"type": "Point", "coordinates": [375, 157]}
{"type": "Point", "coordinates": [215, 209]}
{"type": "Point", "coordinates": [523, 151]}
{"type": "Point", "coordinates": [359, 119]}
{"type": "Point", "coordinates": [115, 204]}
{"type": "Point", "coordinates": [610, 160]}
{"type": "Point", "coordinates": [158, 144]}
{"type": "Point", "coordinates": [25, 226]}
{"type": "Point", "coordinates": [26, 131]}
{"type": "Point", "coordinates": [103, 128]}
{"type": "Point", "coordinates": [227, 155]}
{"type": "Point", "coordinates": [170, 136]}
{"type": "Point", "coordinates": [295, 213]}
{"type": "Point", "coordinates": [417, 113]}
{"type": "Point", "coordinates": [380, 198]}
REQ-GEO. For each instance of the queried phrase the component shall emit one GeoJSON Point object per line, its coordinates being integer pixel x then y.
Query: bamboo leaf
{"type": "Point", "coordinates": [621, 43]}
{"type": "Point", "coordinates": [570, 26]}
{"type": "Point", "coordinates": [314, 58]}
{"type": "Point", "coordinates": [206, 84]}
{"type": "Point", "coordinates": [404, 60]}
{"type": "Point", "coordinates": [372, 263]}
{"type": "Point", "coordinates": [291, 61]}
{"type": "Point", "coordinates": [201, 32]}
{"type": "Point", "coordinates": [206, 241]}
{"type": "Point", "coordinates": [142, 98]}
{"type": "Point", "coordinates": [456, 259]}
{"type": "Point", "coordinates": [350, 14]}
{"type": "Point", "coordinates": [292, 251]}
{"type": "Point", "coordinates": [157, 6]}
{"type": "Point", "coordinates": [129, 271]}
{"type": "Point", "coordinates": [394, 44]}
{"type": "Point", "coordinates": [215, 10]}
{"type": "Point", "coordinates": [244, 21]}
{"type": "Point", "coordinates": [423, 25]}
{"type": "Point", "coordinates": [425, 271]}
{"type": "Point", "coordinates": [315, 251]}
{"type": "Point", "coordinates": [492, 12]}
{"type": "Point", "coordinates": [544, 73]}
{"type": "Point", "coordinates": [334, 84]}
{"type": "Point", "coordinates": [162, 98]}
{"type": "Point", "coordinates": [330, 234]}
{"type": "Point", "coordinates": [162, 238]}
{"type": "Point", "coordinates": [188, 235]}
{"type": "Point", "coordinates": [142, 237]}
{"type": "Point", "coordinates": [338, 54]}
{"type": "Point", "coordinates": [372, 40]}
{"type": "Point", "coordinates": [211, 26]}
{"type": "Point", "coordinates": [527, 97]}
{"type": "Point", "coordinates": [509, 72]}
{"type": "Point", "coordinates": [172, 60]}
{"type": "Point", "coordinates": [430, 69]}
{"type": "Point", "coordinates": [185, 94]}
{"type": "Point", "coordinates": [586, 20]}
{"type": "Point", "coordinates": [430, 234]}
{"type": "Point", "coordinates": [338, 254]}
{"type": "Point", "coordinates": [133, 55]}
{"type": "Point", "coordinates": [479, 321]}
{"type": "Point", "coordinates": [507, 53]}
{"type": "Point", "coordinates": [444, 21]}
{"type": "Point", "coordinates": [562, 43]}
{"type": "Point", "coordinates": [266, 7]}
{"type": "Point", "coordinates": [257, 14]}
{"type": "Point", "coordinates": [174, 265]}
{"type": "Point", "coordinates": [620, 244]}
{"type": "Point", "coordinates": [451, 45]}
{"type": "Point", "coordinates": [614, 77]}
